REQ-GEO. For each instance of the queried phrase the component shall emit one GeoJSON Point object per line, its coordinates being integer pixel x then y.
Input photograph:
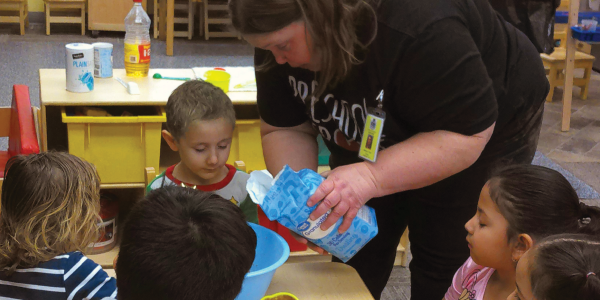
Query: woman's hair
{"type": "Point", "coordinates": [540, 202]}
{"type": "Point", "coordinates": [50, 205]}
{"type": "Point", "coordinates": [566, 267]}
{"type": "Point", "coordinates": [332, 25]}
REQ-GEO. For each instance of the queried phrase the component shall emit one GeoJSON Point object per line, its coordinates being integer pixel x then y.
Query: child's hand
{"type": "Point", "coordinates": [310, 245]}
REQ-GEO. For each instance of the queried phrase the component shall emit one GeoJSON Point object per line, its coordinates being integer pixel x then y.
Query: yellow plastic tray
{"type": "Point", "coordinates": [120, 147]}
{"type": "Point", "coordinates": [247, 145]}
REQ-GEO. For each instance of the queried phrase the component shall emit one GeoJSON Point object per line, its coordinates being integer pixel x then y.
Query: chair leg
{"type": "Point", "coordinates": [47, 18]}
{"type": "Point", "coordinates": [587, 75]}
{"type": "Point", "coordinates": [26, 15]}
{"type": "Point", "coordinates": [22, 17]}
{"type": "Point", "coordinates": [205, 19]}
{"type": "Point", "coordinates": [552, 78]}
{"type": "Point", "coordinates": [200, 17]}
{"type": "Point", "coordinates": [155, 17]}
{"type": "Point", "coordinates": [83, 18]}
{"type": "Point", "coordinates": [190, 19]}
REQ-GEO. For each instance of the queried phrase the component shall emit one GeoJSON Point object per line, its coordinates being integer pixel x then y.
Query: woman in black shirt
{"type": "Point", "coordinates": [462, 91]}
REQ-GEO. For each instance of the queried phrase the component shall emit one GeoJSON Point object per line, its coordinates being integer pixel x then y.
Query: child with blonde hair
{"type": "Point", "coordinates": [519, 206]}
{"type": "Point", "coordinates": [560, 267]}
{"type": "Point", "coordinates": [49, 215]}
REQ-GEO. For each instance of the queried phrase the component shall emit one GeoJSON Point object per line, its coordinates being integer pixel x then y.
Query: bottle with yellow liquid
{"type": "Point", "coordinates": [137, 41]}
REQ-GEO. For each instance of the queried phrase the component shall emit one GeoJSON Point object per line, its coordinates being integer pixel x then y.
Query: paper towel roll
{"type": "Point", "coordinates": [80, 67]}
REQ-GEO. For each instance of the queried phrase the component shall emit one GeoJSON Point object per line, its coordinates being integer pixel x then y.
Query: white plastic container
{"type": "Point", "coordinates": [79, 58]}
{"type": "Point", "coordinates": [103, 60]}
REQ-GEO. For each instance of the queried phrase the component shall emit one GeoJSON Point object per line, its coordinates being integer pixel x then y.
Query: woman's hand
{"type": "Point", "coordinates": [345, 191]}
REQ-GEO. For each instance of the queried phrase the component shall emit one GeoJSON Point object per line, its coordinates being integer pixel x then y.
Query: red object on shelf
{"type": "Point", "coordinates": [22, 134]}
{"type": "Point", "coordinates": [281, 230]}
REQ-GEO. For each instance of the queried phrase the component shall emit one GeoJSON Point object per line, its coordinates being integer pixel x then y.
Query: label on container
{"type": "Point", "coordinates": [103, 61]}
{"type": "Point", "coordinates": [311, 229]}
{"type": "Point", "coordinates": [137, 54]}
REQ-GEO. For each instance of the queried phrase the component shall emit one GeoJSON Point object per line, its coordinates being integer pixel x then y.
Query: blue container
{"type": "Point", "coordinates": [586, 35]}
{"type": "Point", "coordinates": [562, 17]}
{"type": "Point", "coordinates": [271, 252]}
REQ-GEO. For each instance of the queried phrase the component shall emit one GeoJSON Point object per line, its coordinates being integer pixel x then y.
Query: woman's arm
{"type": "Point", "coordinates": [422, 160]}
{"type": "Point", "coordinates": [295, 146]}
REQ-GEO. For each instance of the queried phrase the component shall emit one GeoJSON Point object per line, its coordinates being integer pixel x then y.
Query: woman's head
{"type": "Point", "coordinates": [50, 205]}
{"type": "Point", "coordinates": [560, 267]}
{"type": "Point", "coordinates": [530, 202]}
{"type": "Point", "coordinates": [319, 35]}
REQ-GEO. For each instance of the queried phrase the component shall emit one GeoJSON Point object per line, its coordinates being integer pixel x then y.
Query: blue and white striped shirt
{"type": "Point", "coordinates": [71, 276]}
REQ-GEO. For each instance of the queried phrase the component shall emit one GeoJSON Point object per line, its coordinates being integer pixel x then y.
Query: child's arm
{"type": "Point", "coordinates": [85, 279]}
{"type": "Point", "coordinates": [250, 210]}
{"type": "Point", "coordinates": [456, 290]}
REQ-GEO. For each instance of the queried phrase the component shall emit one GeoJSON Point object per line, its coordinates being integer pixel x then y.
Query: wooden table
{"type": "Point", "coordinates": [315, 281]}
{"type": "Point", "coordinates": [108, 92]}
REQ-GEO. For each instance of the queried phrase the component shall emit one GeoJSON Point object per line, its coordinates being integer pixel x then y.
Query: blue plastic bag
{"type": "Point", "coordinates": [284, 199]}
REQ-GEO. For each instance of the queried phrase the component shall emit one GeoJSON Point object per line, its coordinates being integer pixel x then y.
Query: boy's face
{"type": "Point", "coordinates": [204, 149]}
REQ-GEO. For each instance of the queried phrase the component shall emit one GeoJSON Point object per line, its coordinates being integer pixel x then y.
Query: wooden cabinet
{"type": "Point", "coordinates": [109, 15]}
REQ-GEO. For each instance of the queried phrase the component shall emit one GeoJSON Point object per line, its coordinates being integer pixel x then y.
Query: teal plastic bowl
{"type": "Point", "coordinates": [271, 252]}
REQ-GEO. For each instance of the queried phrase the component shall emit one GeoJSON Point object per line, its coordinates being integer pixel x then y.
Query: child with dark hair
{"type": "Point", "coordinates": [560, 267]}
{"type": "Point", "coordinates": [50, 206]}
{"type": "Point", "coordinates": [184, 244]}
{"type": "Point", "coordinates": [518, 207]}
{"type": "Point", "coordinates": [200, 124]}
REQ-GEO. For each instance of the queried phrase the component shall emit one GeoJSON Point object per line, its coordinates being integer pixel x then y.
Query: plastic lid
{"type": "Point", "coordinates": [137, 1]}
{"type": "Point", "coordinates": [220, 69]}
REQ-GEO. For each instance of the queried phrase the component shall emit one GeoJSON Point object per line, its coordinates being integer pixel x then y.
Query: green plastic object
{"type": "Point", "coordinates": [158, 76]}
{"type": "Point", "coordinates": [323, 152]}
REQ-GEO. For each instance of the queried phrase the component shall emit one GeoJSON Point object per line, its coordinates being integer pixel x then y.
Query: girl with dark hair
{"type": "Point", "coordinates": [561, 267]}
{"type": "Point", "coordinates": [447, 74]}
{"type": "Point", "coordinates": [518, 207]}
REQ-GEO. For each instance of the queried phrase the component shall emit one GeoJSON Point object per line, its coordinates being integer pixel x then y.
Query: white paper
{"type": "Point", "coordinates": [258, 185]}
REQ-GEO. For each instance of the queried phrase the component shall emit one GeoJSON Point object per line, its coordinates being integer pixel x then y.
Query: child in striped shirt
{"type": "Point", "coordinates": [49, 214]}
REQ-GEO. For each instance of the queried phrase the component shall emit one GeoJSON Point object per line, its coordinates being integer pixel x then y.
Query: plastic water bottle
{"type": "Point", "coordinates": [137, 41]}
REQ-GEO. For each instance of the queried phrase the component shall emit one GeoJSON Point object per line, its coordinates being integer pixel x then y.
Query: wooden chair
{"type": "Point", "coordinates": [68, 6]}
{"type": "Point", "coordinates": [18, 124]}
{"type": "Point", "coordinates": [216, 13]}
{"type": "Point", "coordinates": [185, 7]}
{"type": "Point", "coordinates": [560, 34]}
{"type": "Point", "coordinates": [19, 13]}
{"type": "Point", "coordinates": [555, 65]}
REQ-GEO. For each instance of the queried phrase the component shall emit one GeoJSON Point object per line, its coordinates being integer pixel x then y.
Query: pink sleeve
{"type": "Point", "coordinates": [456, 289]}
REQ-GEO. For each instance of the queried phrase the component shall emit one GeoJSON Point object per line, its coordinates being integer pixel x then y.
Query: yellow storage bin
{"type": "Point", "coordinates": [247, 145]}
{"type": "Point", "coordinates": [120, 147]}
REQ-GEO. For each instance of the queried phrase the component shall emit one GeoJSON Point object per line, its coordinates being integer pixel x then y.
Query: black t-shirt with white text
{"type": "Point", "coordinates": [443, 65]}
